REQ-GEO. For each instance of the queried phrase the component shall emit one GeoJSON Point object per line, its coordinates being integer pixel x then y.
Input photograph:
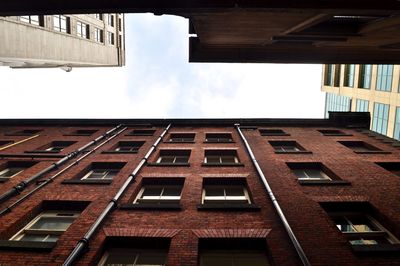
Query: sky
{"type": "Point", "coordinates": [158, 82]}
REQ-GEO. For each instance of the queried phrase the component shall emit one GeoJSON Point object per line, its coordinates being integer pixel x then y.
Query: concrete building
{"type": "Point", "coordinates": [365, 88]}
{"type": "Point", "coordinates": [198, 192]}
{"type": "Point", "coordinates": [91, 40]}
{"type": "Point", "coordinates": [284, 31]}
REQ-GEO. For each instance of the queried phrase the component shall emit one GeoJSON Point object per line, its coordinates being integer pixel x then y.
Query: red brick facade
{"type": "Point", "coordinates": [186, 225]}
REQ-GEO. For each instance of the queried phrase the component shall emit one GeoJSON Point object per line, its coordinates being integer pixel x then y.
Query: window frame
{"type": "Point", "coordinates": [212, 137]}
{"type": "Point", "coordinates": [82, 30]}
{"type": "Point", "coordinates": [58, 22]}
{"type": "Point", "coordinates": [108, 172]}
{"type": "Point", "coordinates": [288, 147]}
{"type": "Point", "coordinates": [50, 232]}
{"type": "Point", "coordinates": [139, 200]}
{"type": "Point", "coordinates": [231, 154]}
{"type": "Point", "coordinates": [225, 200]}
{"type": "Point", "coordinates": [137, 253]}
{"type": "Point", "coordinates": [180, 138]}
{"type": "Point", "coordinates": [7, 169]}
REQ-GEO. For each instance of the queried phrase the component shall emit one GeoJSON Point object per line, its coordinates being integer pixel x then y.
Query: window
{"type": "Point", "coordinates": [159, 192]}
{"type": "Point", "coordinates": [25, 132]}
{"type": "Point", "coordinates": [393, 167]}
{"type": "Point", "coordinates": [358, 225]}
{"type": "Point", "coordinates": [219, 137]}
{"type": "Point", "coordinates": [61, 23]}
{"type": "Point", "coordinates": [380, 118]}
{"type": "Point", "coordinates": [98, 35]}
{"type": "Point", "coordinates": [221, 157]}
{"type": "Point", "coordinates": [314, 173]}
{"type": "Point", "coordinates": [142, 132]}
{"type": "Point", "coordinates": [181, 137]}
{"type": "Point", "coordinates": [5, 142]}
{"type": "Point", "coordinates": [236, 194]}
{"type": "Point", "coordinates": [100, 174]}
{"type": "Point", "coordinates": [349, 75]}
{"type": "Point", "coordinates": [137, 251]}
{"type": "Point", "coordinates": [329, 75]}
{"type": "Point", "coordinates": [55, 146]}
{"type": "Point", "coordinates": [34, 20]}
{"type": "Point", "coordinates": [233, 252]}
{"type": "Point", "coordinates": [360, 147]}
{"type": "Point", "coordinates": [133, 257]}
{"type": "Point", "coordinates": [287, 147]}
{"type": "Point", "coordinates": [119, 24]}
{"type": "Point", "coordinates": [333, 132]}
{"type": "Point", "coordinates": [128, 146]}
{"type": "Point", "coordinates": [46, 227]}
{"type": "Point", "coordinates": [273, 132]}
{"type": "Point", "coordinates": [82, 30]}
{"type": "Point", "coordinates": [337, 76]}
{"type": "Point", "coordinates": [13, 168]}
{"type": "Point", "coordinates": [173, 157]}
{"type": "Point", "coordinates": [334, 102]}
{"type": "Point", "coordinates": [364, 80]}
{"type": "Point", "coordinates": [110, 20]}
{"type": "Point", "coordinates": [84, 132]}
{"type": "Point", "coordinates": [98, 16]}
{"type": "Point", "coordinates": [396, 134]}
{"type": "Point", "coordinates": [362, 105]}
{"type": "Point", "coordinates": [384, 77]}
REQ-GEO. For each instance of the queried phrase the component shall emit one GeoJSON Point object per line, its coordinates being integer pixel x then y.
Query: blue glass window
{"type": "Point", "coordinates": [362, 105]}
{"type": "Point", "coordinates": [364, 80]}
{"type": "Point", "coordinates": [334, 102]}
{"type": "Point", "coordinates": [380, 118]}
{"type": "Point", "coordinates": [349, 75]}
{"type": "Point", "coordinates": [396, 134]}
{"type": "Point", "coordinates": [384, 77]}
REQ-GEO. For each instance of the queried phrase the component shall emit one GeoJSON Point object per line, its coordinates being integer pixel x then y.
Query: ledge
{"type": "Point", "coordinates": [372, 152]}
{"type": "Point", "coordinates": [177, 142]}
{"type": "Point", "coordinates": [222, 164]}
{"type": "Point", "coordinates": [219, 142]}
{"type": "Point", "coordinates": [151, 206]}
{"type": "Point", "coordinates": [272, 135]}
{"type": "Point", "coordinates": [169, 164]}
{"type": "Point", "coordinates": [228, 207]}
{"type": "Point", "coordinates": [27, 245]}
{"type": "Point", "coordinates": [374, 249]}
{"type": "Point", "coordinates": [119, 152]}
{"type": "Point", "coordinates": [4, 179]}
{"type": "Point", "coordinates": [324, 182]}
{"type": "Point", "coordinates": [86, 182]}
{"type": "Point", "coordinates": [293, 152]}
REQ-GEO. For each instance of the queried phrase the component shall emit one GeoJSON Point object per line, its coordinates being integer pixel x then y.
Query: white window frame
{"type": "Point", "coordinates": [98, 35]}
{"type": "Point", "coordinates": [106, 172]}
{"type": "Point", "coordinates": [159, 198]}
{"type": "Point", "coordinates": [58, 23]}
{"type": "Point", "coordinates": [27, 228]}
{"type": "Point", "coordinates": [132, 148]}
{"type": "Point", "coordinates": [110, 38]}
{"type": "Point", "coordinates": [219, 139]}
{"type": "Point", "coordinates": [4, 171]}
{"type": "Point", "coordinates": [175, 157]}
{"type": "Point", "coordinates": [220, 158]}
{"type": "Point", "coordinates": [384, 233]}
{"type": "Point", "coordinates": [282, 148]}
{"type": "Point", "coordinates": [82, 30]}
{"type": "Point", "coordinates": [31, 20]}
{"type": "Point", "coordinates": [129, 251]}
{"type": "Point", "coordinates": [323, 175]}
{"type": "Point", "coordinates": [224, 197]}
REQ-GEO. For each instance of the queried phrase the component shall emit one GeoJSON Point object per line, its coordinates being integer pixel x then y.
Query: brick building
{"type": "Point", "coordinates": [198, 192]}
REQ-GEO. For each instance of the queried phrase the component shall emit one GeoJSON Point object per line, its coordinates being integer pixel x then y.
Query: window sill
{"type": "Point", "coordinates": [222, 164]}
{"type": "Point", "coordinates": [27, 245]}
{"type": "Point", "coordinates": [41, 151]}
{"type": "Point", "coordinates": [271, 135]}
{"type": "Point", "coordinates": [372, 152]}
{"type": "Point", "coordinates": [219, 142]}
{"type": "Point", "coordinates": [169, 164]}
{"type": "Point", "coordinates": [191, 141]}
{"type": "Point", "coordinates": [293, 152]}
{"type": "Point", "coordinates": [119, 152]}
{"type": "Point", "coordinates": [324, 182]}
{"type": "Point", "coordinates": [228, 206]}
{"type": "Point", "coordinates": [151, 206]}
{"type": "Point", "coordinates": [373, 249]}
{"type": "Point", "coordinates": [87, 182]}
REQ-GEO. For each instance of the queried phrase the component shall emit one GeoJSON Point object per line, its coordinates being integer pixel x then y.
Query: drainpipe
{"type": "Point", "coordinates": [22, 185]}
{"type": "Point", "coordinates": [271, 195]}
{"type": "Point", "coordinates": [49, 180]}
{"type": "Point", "coordinates": [83, 243]}
{"type": "Point", "coordinates": [18, 142]}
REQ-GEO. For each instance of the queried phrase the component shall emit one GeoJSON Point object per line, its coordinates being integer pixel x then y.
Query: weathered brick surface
{"type": "Point", "coordinates": [319, 237]}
